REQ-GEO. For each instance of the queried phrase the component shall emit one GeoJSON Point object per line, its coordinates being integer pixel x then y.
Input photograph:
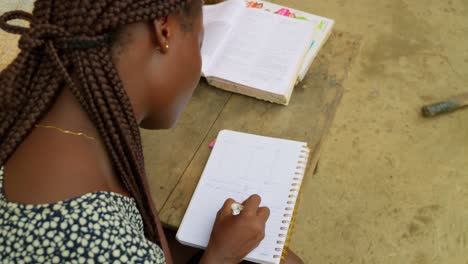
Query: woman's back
{"type": "Point", "coordinates": [82, 49]}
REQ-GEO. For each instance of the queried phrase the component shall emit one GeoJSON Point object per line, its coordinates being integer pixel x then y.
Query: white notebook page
{"type": "Point", "coordinates": [239, 166]}
{"type": "Point", "coordinates": [263, 51]}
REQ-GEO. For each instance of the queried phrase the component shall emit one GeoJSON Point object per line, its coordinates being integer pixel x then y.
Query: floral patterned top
{"type": "Point", "coordinates": [97, 227]}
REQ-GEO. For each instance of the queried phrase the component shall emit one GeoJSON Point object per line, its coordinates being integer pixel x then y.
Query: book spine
{"type": "Point", "coordinates": [290, 211]}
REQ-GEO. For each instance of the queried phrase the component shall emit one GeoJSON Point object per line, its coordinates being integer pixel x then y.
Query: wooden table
{"type": "Point", "coordinates": [175, 158]}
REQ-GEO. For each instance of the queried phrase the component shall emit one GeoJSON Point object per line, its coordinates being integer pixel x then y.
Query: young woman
{"type": "Point", "coordinates": [72, 177]}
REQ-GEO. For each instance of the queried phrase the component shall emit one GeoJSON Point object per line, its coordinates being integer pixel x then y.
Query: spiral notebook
{"type": "Point", "coordinates": [241, 165]}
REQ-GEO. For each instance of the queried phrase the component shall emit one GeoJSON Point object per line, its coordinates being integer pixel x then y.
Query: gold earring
{"type": "Point", "coordinates": [167, 46]}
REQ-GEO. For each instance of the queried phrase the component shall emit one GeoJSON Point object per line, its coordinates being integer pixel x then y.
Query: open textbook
{"type": "Point", "coordinates": [260, 49]}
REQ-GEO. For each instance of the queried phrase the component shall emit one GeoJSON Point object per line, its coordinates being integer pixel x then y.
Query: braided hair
{"type": "Point", "coordinates": [74, 38]}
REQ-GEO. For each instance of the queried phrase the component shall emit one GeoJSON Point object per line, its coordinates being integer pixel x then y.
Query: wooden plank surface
{"type": "Point", "coordinates": [307, 118]}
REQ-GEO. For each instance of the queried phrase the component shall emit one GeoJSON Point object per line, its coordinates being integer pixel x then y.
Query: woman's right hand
{"type": "Point", "coordinates": [235, 236]}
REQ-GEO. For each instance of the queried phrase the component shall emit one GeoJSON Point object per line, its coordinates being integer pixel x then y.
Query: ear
{"type": "Point", "coordinates": [162, 34]}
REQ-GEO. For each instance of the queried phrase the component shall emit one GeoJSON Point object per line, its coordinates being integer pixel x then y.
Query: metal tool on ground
{"type": "Point", "coordinates": [447, 106]}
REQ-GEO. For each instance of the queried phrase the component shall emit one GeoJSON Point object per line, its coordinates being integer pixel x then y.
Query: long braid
{"type": "Point", "coordinates": [68, 38]}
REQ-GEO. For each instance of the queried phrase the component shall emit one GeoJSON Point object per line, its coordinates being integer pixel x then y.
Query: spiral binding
{"type": "Point", "coordinates": [290, 212]}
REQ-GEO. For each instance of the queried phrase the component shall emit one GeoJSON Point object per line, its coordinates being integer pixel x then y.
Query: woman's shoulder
{"type": "Point", "coordinates": [102, 226]}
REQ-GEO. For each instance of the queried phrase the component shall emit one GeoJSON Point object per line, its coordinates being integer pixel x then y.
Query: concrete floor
{"type": "Point", "coordinates": [392, 187]}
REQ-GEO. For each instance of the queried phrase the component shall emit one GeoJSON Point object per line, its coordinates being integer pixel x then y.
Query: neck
{"type": "Point", "coordinates": [68, 114]}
